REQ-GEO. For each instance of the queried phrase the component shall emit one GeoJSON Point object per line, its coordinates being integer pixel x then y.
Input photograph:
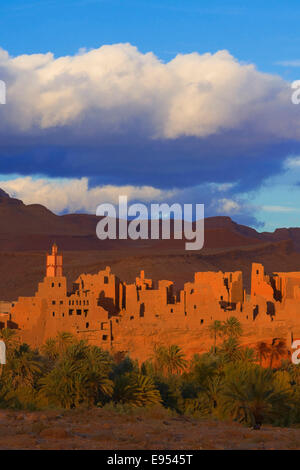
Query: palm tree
{"type": "Point", "coordinates": [252, 397]}
{"type": "Point", "coordinates": [23, 366]}
{"type": "Point", "coordinates": [203, 367]}
{"type": "Point", "coordinates": [263, 351]}
{"type": "Point", "coordinates": [248, 355]}
{"type": "Point", "coordinates": [60, 386]}
{"type": "Point", "coordinates": [136, 390]}
{"type": "Point", "coordinates": [9, 337]}
{"type": "Point", "coordinates": [277, 349]}
{"type": "Point", "coordinates": [293, 370]}
{"type": "Point", "coordinates": [215, 330]}
{"type": "Point", "coordinates": [175, 360]}
{"type": "Point", "coordinates": [63, 340]}
{"type": "Point", "coordinates": [6, 398]}
{"type": "Point", "coordinates": [207, 399]}
{"type": "Point", "coordinates": [96, 367]}
{"type": "Point", "coordinates": [76, 352]}
{"type": "Point", "coordinates": [213, 389]}
{"type": "Point", "coordinates": [159, 358]}
{"type": "Point", "coordinates": [232, 327]}
{"type": "Point", "coordinates": [170, 359]}
{"type": "Point", "coordinates": [231, 350]}
{"type": "Point", "coordinates": [49, 349]}
{"type": "Point", "coordinates": [81, 376]}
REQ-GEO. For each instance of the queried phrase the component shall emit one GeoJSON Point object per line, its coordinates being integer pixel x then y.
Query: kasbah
{"type": "Point", "coordinates": [135, 318]}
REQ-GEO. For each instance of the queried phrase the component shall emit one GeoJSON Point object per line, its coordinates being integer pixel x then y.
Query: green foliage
{"type": "Point", "coordinates": [126, 365]}
{"type": "Point", "coordinates": [170, 389]}
{"type": "Point", "coordinates": [203, 368]}
{"type": "Point", "coordinates": [136, 390]}
{"type": "Point", "coordinates": [206, 402]}
{"type": "Point", "coordinates": [277, 350]}
{"type": "Point", "coordinates": [231, 350]}
{"type": "Point", "coordinates": [5, 395]}
{"type": "Point", "coordinates": [169, 360]}
{"type": "Point", "coordinates": [50, 350]}
{"type": "Point", "coordinates": [80, 377]}
{"type": "Point", "coordinates": [232, 328]}
{"type": "Point", "coordinates": [253, 395]}
{"type": "Point", "coordinates": [263, 351]}
{"type": "Point", "coordinates": [228, 329]}
{"type": "Point", "coordinates": [215, 330]}
{"type": "Point", "coordinates": [24, 366]}
{"type": "Point", "coordinates": [9, 337]}
{"type": "Point", "coordinates": [226, 382]}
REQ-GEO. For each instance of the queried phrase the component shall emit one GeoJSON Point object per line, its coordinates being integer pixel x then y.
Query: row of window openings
{"type": "Point", "coordinates": [78, 302]}
{"type": "Point", "coordinates": [78, 312]}
{"type": "Point", "coordinates": [71, 302]}
{"type": "Point", "coordinates": [172, 311]}
{"type": "Point", "coordinates": [157, 316]}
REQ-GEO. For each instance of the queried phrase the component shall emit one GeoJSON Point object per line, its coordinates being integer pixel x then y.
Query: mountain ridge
{"type": "Point", "coordinates": [34, 226]}
{"type": "Point", "coordinates": [27, 232]}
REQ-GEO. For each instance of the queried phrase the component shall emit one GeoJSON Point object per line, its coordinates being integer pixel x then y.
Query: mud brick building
{"type": "Point", "coordinates": [134, 318]}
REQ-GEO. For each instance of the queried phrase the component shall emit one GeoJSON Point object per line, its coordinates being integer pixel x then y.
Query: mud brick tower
{"type": "Point", "coordinates": [54, 263]}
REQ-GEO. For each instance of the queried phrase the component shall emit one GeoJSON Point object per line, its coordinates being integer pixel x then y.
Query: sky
{"type": "Point", "coordinates": [161, 100]}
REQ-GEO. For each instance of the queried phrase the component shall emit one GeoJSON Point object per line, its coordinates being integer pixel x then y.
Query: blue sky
{"type": "Point", "coordinates": [264, 33]}
{"type": "Point", "coordinates": [255, 160]}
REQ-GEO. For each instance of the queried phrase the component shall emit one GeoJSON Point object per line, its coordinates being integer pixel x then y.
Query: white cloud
{"type": "Point", "coordinates": [292, 162]}
{"type": "Point", "coordinates": [74, 195]}
{"type": "Point", "coordinates": [289, 63]}
{"type": "Point", "coordinates": [116, 88]}
{"type": "Point", "coordinates": [279, 209]}
{"type": "Point", "coordinates": [222, 187]}
{"type": "Point", "coordinates": [228, 206]}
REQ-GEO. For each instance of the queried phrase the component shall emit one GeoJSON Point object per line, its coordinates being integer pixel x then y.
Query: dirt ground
{"type": "Point", "coordinates": [155, 430]}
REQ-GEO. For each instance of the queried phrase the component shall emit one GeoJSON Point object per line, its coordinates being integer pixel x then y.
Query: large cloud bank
{"type": "Point", "coordinates": [115, 89]}
{"type": "Point", "coordinates": [114, 120]}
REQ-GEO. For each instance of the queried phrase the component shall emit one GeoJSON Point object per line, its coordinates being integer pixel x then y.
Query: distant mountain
{"type": "Point", "coordinates": [248, 234]}
{"type": "Point", "coordinates": [27, 231]}
{"type": "Point", "coordinates": [34, 227]}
